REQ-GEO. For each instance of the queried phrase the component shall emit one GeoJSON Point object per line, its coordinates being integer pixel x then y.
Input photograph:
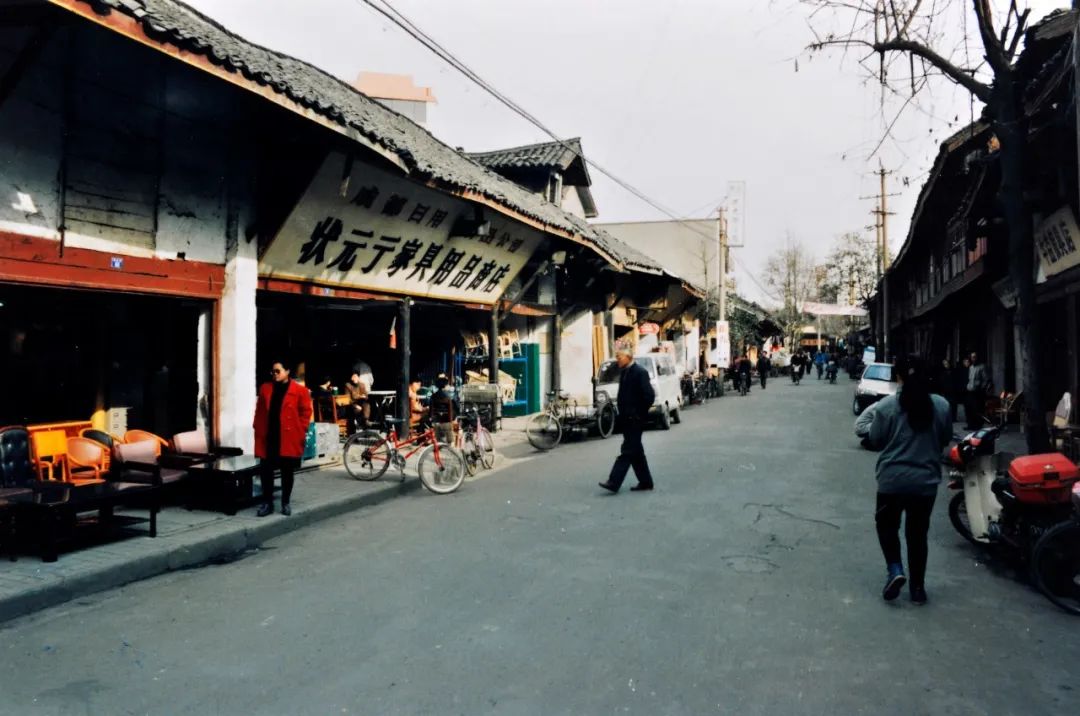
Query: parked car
{"type": "Point", "coordinates": [877, 381]}
{"type": "Point", "coordinates": [665, 380]}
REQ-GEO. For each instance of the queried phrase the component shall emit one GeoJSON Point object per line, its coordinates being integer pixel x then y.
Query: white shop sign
{"type": "Point", "coordinates": [369, 229]}
{"type": "Point", "coordinates": [1057, 241]}
{"type": "Point", "coordinates": [721, 357]}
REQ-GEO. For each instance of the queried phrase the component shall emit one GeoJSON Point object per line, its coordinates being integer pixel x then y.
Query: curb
{"type": "Point", "coordinates": [192, 553]}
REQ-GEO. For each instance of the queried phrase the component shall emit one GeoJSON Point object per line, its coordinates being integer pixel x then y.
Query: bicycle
{"type": "Point", "coordinates": [367, 455]}
{"type": "Point", "coordinates": [1055, 561]}
{"type": "Point", "coordinates": [545, 430]}
{"type": "Point", "coordinates": [475, 443]}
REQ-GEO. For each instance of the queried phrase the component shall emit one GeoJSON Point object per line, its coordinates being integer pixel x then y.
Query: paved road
{"type": "Point", "coordinates": [748, 583]}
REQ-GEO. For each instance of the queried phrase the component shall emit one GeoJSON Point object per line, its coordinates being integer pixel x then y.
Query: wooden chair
{"type": "Point", "coordinates": [88, 461]}
{"type": "Point", "coordinates": [1010, 404]}
{"type": "Point", "coordinates": [138, 436]}
{"type": "Point", "coordinates": [50, 454]}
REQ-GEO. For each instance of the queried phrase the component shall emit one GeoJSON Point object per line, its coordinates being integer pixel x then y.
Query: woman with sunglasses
{"type": "Point", "coordinates": [282, 414]}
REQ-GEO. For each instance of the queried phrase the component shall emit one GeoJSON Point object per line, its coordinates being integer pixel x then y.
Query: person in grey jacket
{"type": "Point", "coordinates": [910, 429]}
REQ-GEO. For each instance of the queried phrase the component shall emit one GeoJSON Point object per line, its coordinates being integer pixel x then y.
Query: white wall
{"type": "Point", "coordinates": [576, 357]}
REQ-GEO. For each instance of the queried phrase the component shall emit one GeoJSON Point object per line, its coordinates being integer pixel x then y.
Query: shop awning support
{"type": "Point", "coordinates": [493, 345]}
{"type": "Point", "coordinates": [404, 331]}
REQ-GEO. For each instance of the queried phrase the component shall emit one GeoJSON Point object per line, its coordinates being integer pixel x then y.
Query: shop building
{"type": "Point", "coordinates": [177, 206]}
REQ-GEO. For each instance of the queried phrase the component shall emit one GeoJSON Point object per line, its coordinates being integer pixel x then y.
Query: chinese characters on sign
{"type": "Point", "coordinates": [1058, 242]}
{"type": "Point", "coordinates": [393, 235]}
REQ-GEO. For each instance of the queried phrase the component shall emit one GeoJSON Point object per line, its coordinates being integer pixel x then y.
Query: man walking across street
{"type": "Point", "coordinates": [636, 396]}
{"type": "Point", "coordinates": [764, 365]}
{"type": "Point", "coordinates": [819, 363]}
{"type": "Point", "coordinates": [977, 383]}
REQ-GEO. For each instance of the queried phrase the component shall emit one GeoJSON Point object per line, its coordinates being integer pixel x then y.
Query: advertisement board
{"type": "Point", "coordinates": [357, 226]}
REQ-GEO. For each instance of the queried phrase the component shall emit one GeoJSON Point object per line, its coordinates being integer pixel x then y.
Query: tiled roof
{"type": "Point", "coordinates": [170, 22]}
{"type": "Point", "coordinates": [533, 156]}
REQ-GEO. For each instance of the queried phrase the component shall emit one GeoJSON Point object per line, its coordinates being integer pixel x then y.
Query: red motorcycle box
{"type": "Point", "coordinates": [1043, 479]}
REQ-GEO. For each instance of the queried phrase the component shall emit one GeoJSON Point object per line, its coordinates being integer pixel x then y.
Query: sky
{"type": "Point", "coordinates": [679, 98]}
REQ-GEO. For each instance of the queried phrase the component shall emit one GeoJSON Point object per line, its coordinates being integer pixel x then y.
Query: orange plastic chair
{"type": "Point", "coordinates": [138, 436]}
{"type": "Point", "coordinates": [106, 440]}
{"type": "Point", "coordinates": [50, 454]}
{"type": "Point", "coordinates": [87, 461]}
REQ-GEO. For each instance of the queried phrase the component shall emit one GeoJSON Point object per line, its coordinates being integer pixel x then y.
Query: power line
{"type": "Point", "coordinates": [388, 11]}
{"type": "Point", "coordinates": [409, 27]}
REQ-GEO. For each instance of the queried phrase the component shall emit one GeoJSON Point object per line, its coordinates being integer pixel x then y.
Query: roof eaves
{"type": "Point", "coordinates": [316, 95]}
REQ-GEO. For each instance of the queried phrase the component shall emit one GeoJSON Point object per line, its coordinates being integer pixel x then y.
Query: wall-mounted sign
{"type": "Point", "coordinates": [360, 227]}
{"type": "Point", "coordinates": [721, 355]}
{"type": "Point", "coordinates": [648, 329]}
{"type": "Point", "coordinates": [1005, 290]}
{"type": "Point", "coordinates": [116, 262]}
{"type": "Point", "coordinates": [1058, 242]}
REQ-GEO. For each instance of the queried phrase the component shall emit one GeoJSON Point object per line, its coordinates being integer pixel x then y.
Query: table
{"type": "Point", "coordinates": [233, 478]}
{"type": "Point", "coordinates": [53, 514]}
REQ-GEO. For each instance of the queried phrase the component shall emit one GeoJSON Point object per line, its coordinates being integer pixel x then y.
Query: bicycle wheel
{"type": "Point", "coordinates": [366, 456]}
{"type": "Point", "coordinates": [1055, 565]}
{"type": "Point", "coordinates": [485, 444]}
{"type": "Point", "coordinates": [605, 420]}
{"type": "Point", "coordinates": [543, 431]}
{"type": "Point", "coordinates": [470, 453]}
{"type": "Point", "coordinates": [444, 474]}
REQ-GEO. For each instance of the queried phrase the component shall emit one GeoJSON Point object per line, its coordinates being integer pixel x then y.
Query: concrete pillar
{"type": "Point", "coordinates": [204, 366]}
{"type": "Point", "coordinates": [236, 347]}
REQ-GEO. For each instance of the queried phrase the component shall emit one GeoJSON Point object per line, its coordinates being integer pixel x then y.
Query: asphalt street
{"type": "Point", "coordinates": [747, 583]}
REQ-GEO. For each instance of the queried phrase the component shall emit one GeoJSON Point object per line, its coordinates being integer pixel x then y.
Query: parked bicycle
{"type": "Point", "coordinates": [546, 430]}
{"type": "Point", "coordinates": [1055, 561]}
{"type": "Point", "coordinates": [475, 443]}
{"type": "Point", "coordinates": [368, 454]}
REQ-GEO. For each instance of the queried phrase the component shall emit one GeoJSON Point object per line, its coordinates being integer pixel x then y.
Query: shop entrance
{"type": "Point", "coordinates": [68, 354]}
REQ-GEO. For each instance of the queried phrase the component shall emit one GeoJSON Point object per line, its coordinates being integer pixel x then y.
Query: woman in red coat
{"type": "Point", "coordinates": [282, 414]}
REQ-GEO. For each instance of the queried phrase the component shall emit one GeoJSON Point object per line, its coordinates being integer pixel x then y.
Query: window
{"type": "Point", "coordinates": [878, 372]}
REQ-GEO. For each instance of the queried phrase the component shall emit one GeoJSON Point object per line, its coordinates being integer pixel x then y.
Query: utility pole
{"type": "Point", "coordinates": [881, 214]}
{"type": "Point", "coordinates": [721, 275]}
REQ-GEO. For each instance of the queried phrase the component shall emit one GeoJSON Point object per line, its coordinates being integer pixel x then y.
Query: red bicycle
{"type": "Point", "coordinates": [367, 456]}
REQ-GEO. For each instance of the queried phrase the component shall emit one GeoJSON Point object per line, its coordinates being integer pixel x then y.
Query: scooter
{"type": "Point", "coordinates": [1007, 509]}
{"type": "Point", "coordinates": [830, 372]}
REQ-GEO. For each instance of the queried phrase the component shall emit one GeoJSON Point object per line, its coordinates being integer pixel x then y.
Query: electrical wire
{"type": "Point", "coordinates": [388, 11]}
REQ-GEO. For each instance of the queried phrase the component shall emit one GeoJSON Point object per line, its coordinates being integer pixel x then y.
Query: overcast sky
{"type": "Point", "coordinates": [676, 97]}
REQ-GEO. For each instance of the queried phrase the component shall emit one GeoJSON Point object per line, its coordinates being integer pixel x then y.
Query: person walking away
{"type": "Point", "coordinates": [282, 415]}
{"type": "Point", "coordinates": [636, 396]}
{"type": "Point", "coordinates": [977, 383]}
{"type": "Point", "coordinates": [443, 412]}
{"type": "Point", "coordinates": [910, 429]}
{"type": "Point", "coordinates": [764, 365]}
{"type": "Point", "coordinates": [819, 363]}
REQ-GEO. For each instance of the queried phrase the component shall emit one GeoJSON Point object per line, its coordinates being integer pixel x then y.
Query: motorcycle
{"type": "Point", "coordinates": [742, 382]}
{"type": "Point", "coordinates": [1010, 504]}
{"type": "Point", "coordinates": [830, 372]}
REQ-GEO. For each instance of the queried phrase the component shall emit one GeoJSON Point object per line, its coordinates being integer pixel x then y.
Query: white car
{"type": "Point", "coordinates": [665, 382]}
{"type": "Point", "coordinates": [877, 382]}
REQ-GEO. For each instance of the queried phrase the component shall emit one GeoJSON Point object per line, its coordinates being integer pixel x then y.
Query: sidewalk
{"type": "Point", "coordinates": [189, 539]}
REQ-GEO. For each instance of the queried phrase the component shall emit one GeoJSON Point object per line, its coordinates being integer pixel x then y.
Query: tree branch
{"type": "Point", "coordinates": [995, 49]}
{"type": "Point", "coordinates": [957, 75]}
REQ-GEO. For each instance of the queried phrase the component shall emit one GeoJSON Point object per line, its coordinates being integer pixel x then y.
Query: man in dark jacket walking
{"type": "Point", "coordinates": [636, 396]}
{"type": "Point", "coordinates": [764, 365]}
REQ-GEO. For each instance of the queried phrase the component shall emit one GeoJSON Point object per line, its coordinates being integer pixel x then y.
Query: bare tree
{"type": "Point", "coordinates": [791, 275]}
{"type": "Point", "coordinates": [850, 270]}
{"type": "Point", "coordinates": [907, 45]}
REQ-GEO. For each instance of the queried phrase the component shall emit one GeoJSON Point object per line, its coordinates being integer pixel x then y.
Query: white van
{"type": "Point", "coordinates": [665, 382]}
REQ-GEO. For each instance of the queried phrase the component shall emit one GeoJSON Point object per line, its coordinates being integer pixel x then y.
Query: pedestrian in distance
{"type": "Point", "coordinates": [819, 363]}
{"type": "Point", "coordinates": [910, 428]}
{"type": "Point", "coordinates": [282, 415]}
{"type": "Point", "coordinates": [978, 383]}
{"type": "Point", "coordinates": [636, 396]}
{"type": "Point", "coordinates": [745, 369]}
{"type": "Point", "coordinates": [764, 365]}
